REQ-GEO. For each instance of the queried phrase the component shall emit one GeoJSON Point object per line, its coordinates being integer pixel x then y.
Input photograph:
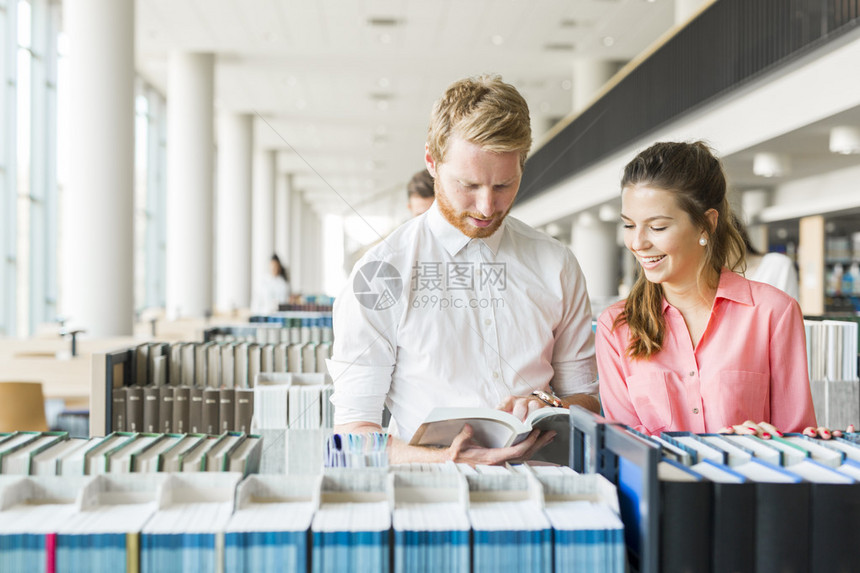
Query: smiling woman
{"type": "Point", "coordinates": [694, 347]}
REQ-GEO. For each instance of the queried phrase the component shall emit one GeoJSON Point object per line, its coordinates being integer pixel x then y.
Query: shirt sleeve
{"type": "Point", "coordinates": [791, 408]}
{"type": "Point", "coordinates": [363, 357]}
{"type": "Point", "coordinates": [614, 397]}
{"type": "Point", "coordinates": [573, 363]}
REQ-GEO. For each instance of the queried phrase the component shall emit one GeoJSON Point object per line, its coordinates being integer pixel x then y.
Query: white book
{"type": "Point", "coordinates": [815, 472]}
{"type": "Point", "coordinates": [216, 456]}
{"type": "Point", "coordinates": [280, 357]}
{"type": "Point", "coordinates": [83, 461]}
{"type": "Point", "coordinates": [760, 448]}
{"type": "Point", "coordinates": [228, 366]}
{"type": "Point", "coordinates": [47, 461]}
{"type": "Point", "coordinates": [240, 365]}
{"type": "Point", "coordinates": [17, 460]}
{"type": "Point", "coordinates": [735, 455]}
{"type": "Point", "coordinates": [490, 428]}
{"type": "Point", "coordinates": [213, 366]}
{"type": "Point", "coordinates": [246, 457]}
{"type": "Point", "coordinates": [119, 459]}
{"type": "Point", "coordinates": [294, 358]}
{"type": "Point", "coordinates": [146, 459]}
{"type": "Point", "coordinates": [192, 459]}
{"type": "Point", "coordinates": [188, 374]}
{"type": "Point", "coordinates": [821, 453]}
{"type": "Point", "coordinates": [254, 363]}
{"type": "Point", "coordinates": [171, 459]}
{"type": "Point", "coordinates": [267, 358]}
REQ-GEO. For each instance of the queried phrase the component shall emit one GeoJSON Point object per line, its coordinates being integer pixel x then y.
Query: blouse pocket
{"type": "Point", "coordinates": [650, 396]}
{"type": "Point", "coordinates": [744, 396]}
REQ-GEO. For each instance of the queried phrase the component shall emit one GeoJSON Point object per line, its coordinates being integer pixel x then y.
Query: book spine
{"type": "Point", "coordinates": [165, 409]}
{"type": "Point", "coordinates": [211, 399]}
{"type": "Point", "coordinates": [181, 404]}
{"type": "Point", "coordinates": [134, 409]}
{"type": "Point", "coordinates": [195, 410]}
{"type": "Point", "coordinates": [118, 409]}
{"type": "Point", "coordinates": [226, 410]}
{"type": "Point", "coordinates": [150, 409]}
{"type": "Point", "coordinates": [244, 409]}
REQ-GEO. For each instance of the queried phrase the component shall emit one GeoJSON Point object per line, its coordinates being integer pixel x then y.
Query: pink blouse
{"type": "Point", "coordinates": [750, 364]}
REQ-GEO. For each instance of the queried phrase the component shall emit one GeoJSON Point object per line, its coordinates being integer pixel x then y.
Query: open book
{"type": "Point", "coordinates": [490, 428]}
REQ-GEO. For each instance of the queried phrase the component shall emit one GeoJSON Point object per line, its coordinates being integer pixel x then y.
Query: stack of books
{"type": "Point", "coordinates": [204, 387]}
{"type": "Point", "coordinates": [831, 350]}
{"type": "Point", "coordinates": [187, 531]}
{"type": "Point", "coordinates": [54, 453]}
{"type": "Point", "coordinates": [418, 518]}
{"type": "Point", "coordinates": [289, 327]}
{"type": "Point", "coordinates": [709, 502]}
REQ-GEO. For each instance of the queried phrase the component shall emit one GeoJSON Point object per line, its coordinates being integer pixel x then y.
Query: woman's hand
{"type": "Point", "coordinates": [766, 431]}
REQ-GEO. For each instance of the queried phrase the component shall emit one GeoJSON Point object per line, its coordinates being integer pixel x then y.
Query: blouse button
{"type": "Point", "coordinates": [695, 410]}
{"type": "Point", "coordinates": [692, 373]}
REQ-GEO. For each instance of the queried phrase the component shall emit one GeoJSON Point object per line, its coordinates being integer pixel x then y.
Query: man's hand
{"type": "Point", "coordinates": [465, 450]}
{"type": "Point", "coordinates": [521, 406]}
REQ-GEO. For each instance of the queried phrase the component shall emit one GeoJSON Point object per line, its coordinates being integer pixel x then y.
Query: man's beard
{"type": "Point", "coordinates": [460, 220]}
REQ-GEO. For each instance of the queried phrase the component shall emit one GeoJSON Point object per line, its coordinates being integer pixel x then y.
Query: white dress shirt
{"type": "Point", "coordinates": [778, 270]}
{"type": "Point", "coordinates": [456, 321]}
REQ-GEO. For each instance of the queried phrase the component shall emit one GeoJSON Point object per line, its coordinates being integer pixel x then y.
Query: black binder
{"type": "Point", "coordinates": [685, 520]}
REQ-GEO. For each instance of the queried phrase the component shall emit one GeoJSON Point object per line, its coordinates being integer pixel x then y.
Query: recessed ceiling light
{"type": "Point", "coordinates": [383, 22]}
{"type": "Point", "coordinates": [608, 41]}
{"type": "Point", "coordinates": [559, 47]}
{"type": "Point", "coordinates": [382, 105]}
{"type": "Point", "coordinates": [385, 38]}
{"type": "Point", "coordinates": [771, 164]}
{"type": "Point", "coordinates": [566, 84]}
{"type": "Point", "coordinates": [845, 140]}
{"type": "Point", "coordinates": [497, 40]}
{"type": "Point", "coordinates": [383, 82]}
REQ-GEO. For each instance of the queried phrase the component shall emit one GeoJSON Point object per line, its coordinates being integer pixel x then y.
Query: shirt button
{"type": "Point", "coordinates": [495, 374]}
{"type": "Point", "coordinates": [488, 322]}
{"type": "Point", "coordinates": [695, 410]}
{"type": "Point", "coordinates": [692, 373]}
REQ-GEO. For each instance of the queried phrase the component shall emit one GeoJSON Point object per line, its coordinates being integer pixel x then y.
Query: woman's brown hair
{"type": "Point", "coordinates": [695, 176]}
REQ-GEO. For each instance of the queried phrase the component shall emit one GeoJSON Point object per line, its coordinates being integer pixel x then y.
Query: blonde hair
{"type": "Point", "coordinates": [482, 110]}
{"type": "Point", "coordinates": [695, 176]}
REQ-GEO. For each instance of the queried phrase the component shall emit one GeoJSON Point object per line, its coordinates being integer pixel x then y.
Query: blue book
{"type": "Point", "coordinates": [269, 528]}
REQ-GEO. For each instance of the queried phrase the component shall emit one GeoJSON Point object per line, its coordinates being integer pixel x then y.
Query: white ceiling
{"type": "Point", "coordinates": [343, 88]}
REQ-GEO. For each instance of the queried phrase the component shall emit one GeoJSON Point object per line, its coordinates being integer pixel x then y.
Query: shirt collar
{"type": "Point", "coordinates": [452, 238]}
{"type": "Point", "coordinates": [732, 287]}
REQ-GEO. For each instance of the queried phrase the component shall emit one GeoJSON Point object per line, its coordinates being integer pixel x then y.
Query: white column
{"type": "Point", "coordinates": [283, 220]}
{"type": "Point", "coordinates": [589, 76]}
{"type": "Point", "coordinates": [593, 242]}
{"type": "Point", "coordinates": [233, 230]}
{"type": "Point", "coordinates": [686, 9]}
{"type": "Point", "coordinates": [297, 251]}
{"type": "Point", "coordinates": [263, 216]}
{"type": "Point", "coordinates": [190, 161]}
{"type": "Point", "coordinates": [98, 274]}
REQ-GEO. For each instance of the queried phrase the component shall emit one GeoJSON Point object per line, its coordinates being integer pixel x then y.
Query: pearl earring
{"type": "Point", "coordinates": [703, 241]}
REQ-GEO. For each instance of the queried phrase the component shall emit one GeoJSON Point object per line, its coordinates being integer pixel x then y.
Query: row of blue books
{"type": "Point", "coordinates": [718, 503]}
{"type": "Point", "coordinates": [449, 518]}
